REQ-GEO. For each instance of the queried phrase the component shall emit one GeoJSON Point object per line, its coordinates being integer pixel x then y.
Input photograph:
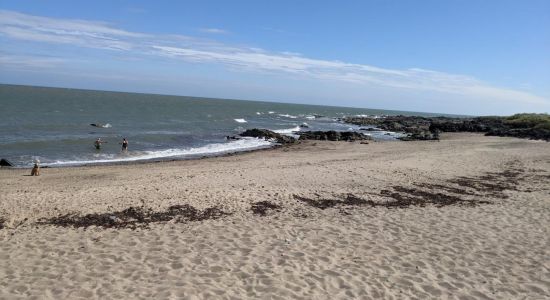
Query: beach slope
{"type": "Point", "coordinates": [464, 218]}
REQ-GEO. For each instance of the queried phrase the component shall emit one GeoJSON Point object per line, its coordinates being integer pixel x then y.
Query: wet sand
{"type": "Point", "coordinates": [464, 218]}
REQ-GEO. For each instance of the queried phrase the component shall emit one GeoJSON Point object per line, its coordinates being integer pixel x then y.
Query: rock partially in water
{"type": "Point", "coordinates": [268, 134]}
{"type": "Point", "coordinates": [348, 136]}
{"type": "Point", "coordinates": [5, 163]}
{"type": "Point", "coordinates": [532, 126]}
{"type": "Point", "coordinates": [371, 129]}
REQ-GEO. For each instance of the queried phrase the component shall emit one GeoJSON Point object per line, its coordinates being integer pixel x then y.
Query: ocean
{"type": "Point", "coordinates": [53, 125]}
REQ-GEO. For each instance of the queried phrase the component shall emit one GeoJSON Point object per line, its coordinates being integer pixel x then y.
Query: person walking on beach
{"type": "Point", "coordinates": [124, 145]}
{"type": "Point", "coordinates": [98, 143]}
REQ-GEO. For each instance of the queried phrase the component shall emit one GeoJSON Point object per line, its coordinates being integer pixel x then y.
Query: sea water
{"type": "Point", "coordinates": [53, 125]}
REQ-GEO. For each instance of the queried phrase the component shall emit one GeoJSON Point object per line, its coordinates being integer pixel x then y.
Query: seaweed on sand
{"type": "Point", "coordinates": [479, 188]}
{"type": "Point", "coordinates": [261, 208]}
{"type": "Point", "coordinates": [401, 198]}
{"type": "Point", "coordinates": [134, 217]}
{"type": "Point", "coordinates": [405, 197]}
{"type": "Point", "coordinates": [347, 200]}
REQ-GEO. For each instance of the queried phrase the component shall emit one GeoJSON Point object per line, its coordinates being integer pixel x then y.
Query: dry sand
{"type": "Point", "coordinates": [466, 250]}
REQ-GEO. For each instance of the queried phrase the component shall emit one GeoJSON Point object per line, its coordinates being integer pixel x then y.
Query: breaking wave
{"type": "Point", "coordinates": [243, 144]}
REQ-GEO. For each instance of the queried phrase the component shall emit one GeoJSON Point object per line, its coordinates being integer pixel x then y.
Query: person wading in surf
{"type": "Point", "coordinates": [98, 143]}
{"type": "Point", "coordinates": [124, 145]}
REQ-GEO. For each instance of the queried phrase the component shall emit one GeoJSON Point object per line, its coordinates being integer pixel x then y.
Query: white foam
{"type": "Point", "coordinates": [210, 149]}
{"type": "Point", "coordinates": [287, 131]}
{"type": "Point", "coordinates": [270, 112]}
{"type": "Point", "coordinates": [258, 113]}
{"type": "Point", "coordinates": [240, 120]}
{"type": "Point", "coordinates": [310, 117]}
{"type": "Point", "coordinates": [288, 116]}
{"type": "Point", "coordinates": [369, 116]}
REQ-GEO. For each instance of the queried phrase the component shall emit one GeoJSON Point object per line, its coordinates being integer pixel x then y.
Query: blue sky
{"type": "Point", "coordinates": [463, 57]}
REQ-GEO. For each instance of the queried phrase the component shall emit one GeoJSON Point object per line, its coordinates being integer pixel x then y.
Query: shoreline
{"type": "Point", "coordinates": [463, 217]}
{"type": "Point", "coordinates": [147, 161]}
{"type": "Point", "coordinates": [273, 146]}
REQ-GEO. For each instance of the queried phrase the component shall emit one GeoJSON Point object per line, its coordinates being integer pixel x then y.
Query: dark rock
{"type": "Point", "coordinates": [268, 134]}
{"type": "Point", "coordinates": [371, 129]}
{"type": "Point", "coordinates": [532, 126]}
{"type": "Point", "coordinates": [332, 135]}
{"type": "Point", "coordinates": [5, 163]}
{"type": "Point", "coordinates": [421, 135]}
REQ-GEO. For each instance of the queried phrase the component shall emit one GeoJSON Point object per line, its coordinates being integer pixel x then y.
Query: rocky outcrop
{"type": "Point", "coordinates": [307, 135]}
{"type": "Point", "coordinates": [416, 128]}
{"type": "Point", "coordinates": [393, 123]}
{"type": "Point", "coordinates": [268, 135]}
{"type": "Point", "coordinates": [532, 126]}
{"type": "Point", "coordinates": [348, 136]}
{"type": "Point", "coordinates": [480, 124]}
{"type": "Point", "coordinates": [423, 135]}
{"type": "Point", "coordinates": [526, 133]}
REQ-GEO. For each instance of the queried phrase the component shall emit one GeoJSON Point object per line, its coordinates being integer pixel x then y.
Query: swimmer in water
{"type": "Point", "coordinates": [98, 143]}
{"type": "Point", "coordinates": [124, 145]}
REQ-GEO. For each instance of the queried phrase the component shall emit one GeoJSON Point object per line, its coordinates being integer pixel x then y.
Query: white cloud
{"type": "Point", "coordinates": [75, 32]}
{"type": "Point", "coordinates": [416, 79]}
{"type": "Point", "coordinates": [105, 36]}
{"type": "Point", "coordinates": [98, 28]}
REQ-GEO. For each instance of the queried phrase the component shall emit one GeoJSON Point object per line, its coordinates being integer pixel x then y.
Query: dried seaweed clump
{"type": "Point", "coordinates": [261, 208]}
{"type": "Point", "coordinates": [133, 217]}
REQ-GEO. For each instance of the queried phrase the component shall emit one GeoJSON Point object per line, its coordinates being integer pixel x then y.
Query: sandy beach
{"type": "Point", "coordinates": [464, 218]}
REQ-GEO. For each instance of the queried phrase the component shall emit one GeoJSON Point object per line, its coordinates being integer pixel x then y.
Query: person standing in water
{"type": "Point", "coordinates": [98, 143]}
{"type": "Point", "coordinates": [124, 145]}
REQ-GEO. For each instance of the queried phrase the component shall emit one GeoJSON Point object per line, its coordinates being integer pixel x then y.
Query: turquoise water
{"type": "Point", "coordinates": [53, 124]}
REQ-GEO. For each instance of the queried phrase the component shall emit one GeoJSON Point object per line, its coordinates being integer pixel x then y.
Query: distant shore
{"type": "Point", "coordinates": [466, 216]}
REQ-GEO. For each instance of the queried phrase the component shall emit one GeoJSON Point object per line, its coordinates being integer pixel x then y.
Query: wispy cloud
{"type": "Point", "coordinates": [75, 32]}
{"type": "Point", "coordinates": [29, 61]}
{"type": "Point", "coordinates": [101, 35]}
{"type": "Point", "coordinates": [213, 30]}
